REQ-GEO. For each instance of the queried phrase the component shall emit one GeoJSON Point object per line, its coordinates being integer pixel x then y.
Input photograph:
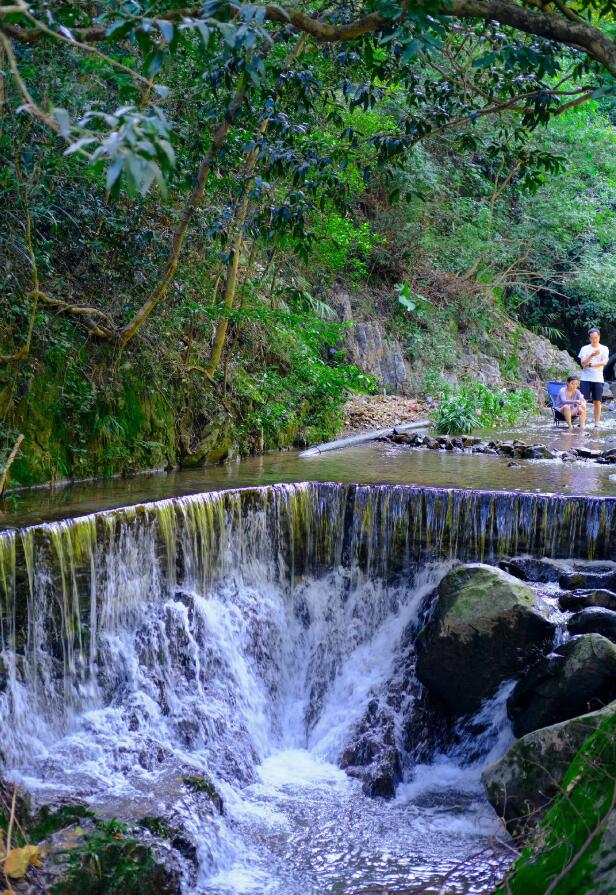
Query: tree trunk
{"type": "Point", "coordinates": [160, 290]}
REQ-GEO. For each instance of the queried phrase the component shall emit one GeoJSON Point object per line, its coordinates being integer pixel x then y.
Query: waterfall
{"type": "Point", "coordinates": [215, 632]}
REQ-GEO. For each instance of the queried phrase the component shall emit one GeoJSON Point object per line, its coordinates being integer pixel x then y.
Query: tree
{"type": "Point", "coordinates": [446, 65]}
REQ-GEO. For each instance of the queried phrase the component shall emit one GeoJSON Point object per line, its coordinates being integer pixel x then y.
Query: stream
{"type": "Point", "coordinates": [254, 636]}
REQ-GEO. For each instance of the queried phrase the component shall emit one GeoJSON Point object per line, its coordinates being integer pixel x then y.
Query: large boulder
{"type": "Point", "coordinates": [578, 677]}
{"type": "Point", "coordinates": [594, 620]}
{"type": "Point", "coordinates": [522, 783]}
{"type": "Point", "coordinates": [485, 628]}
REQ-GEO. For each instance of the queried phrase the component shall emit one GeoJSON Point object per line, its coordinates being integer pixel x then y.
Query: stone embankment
{"type": "Point", "coordinates": [515, 450]}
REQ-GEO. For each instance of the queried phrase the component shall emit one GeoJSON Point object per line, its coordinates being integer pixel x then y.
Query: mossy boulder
{"type": "Point", "coordinates": [522, 783]}
{"type": "Point", "coordinates": [578, 677]}
{"type": "Point", "coordinates": [485, 628]}
{"type": "Point", "coordinates": [572, 851]}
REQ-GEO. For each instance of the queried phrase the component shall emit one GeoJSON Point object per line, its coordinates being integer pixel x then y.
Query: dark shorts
{"type": "Point", "coordinates": [592, 390]}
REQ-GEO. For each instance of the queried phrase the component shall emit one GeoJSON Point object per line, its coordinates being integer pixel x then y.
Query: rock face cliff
{"type": "Point", "coordinates": [376, 345]}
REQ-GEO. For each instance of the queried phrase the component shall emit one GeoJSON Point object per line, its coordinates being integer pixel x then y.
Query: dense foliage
{"type": "Point", "coordinates": [185, 191]}
{"type": "Point", "coordinates": [575, 836]}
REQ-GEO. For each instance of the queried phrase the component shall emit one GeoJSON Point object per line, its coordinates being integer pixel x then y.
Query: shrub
{"type": "Point", "coordinates": [477, 406]}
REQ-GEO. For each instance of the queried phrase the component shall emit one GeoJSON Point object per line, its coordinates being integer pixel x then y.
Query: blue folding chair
{"type": "Point", "coordinates": [553, 390]}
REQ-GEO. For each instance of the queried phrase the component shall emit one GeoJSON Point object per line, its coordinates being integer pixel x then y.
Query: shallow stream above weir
{"type": "Point", "coordinates": [250, 635]}
{"type": "Point", "coordinates": [371, 463]}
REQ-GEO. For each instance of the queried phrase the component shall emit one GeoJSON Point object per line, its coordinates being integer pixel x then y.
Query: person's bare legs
{"type": "Point", "coordinates": [566, 412]}
{"type": "Point", "coordinates": [597, 408]}
{"type": "Point", "coordinates": [583, 412]}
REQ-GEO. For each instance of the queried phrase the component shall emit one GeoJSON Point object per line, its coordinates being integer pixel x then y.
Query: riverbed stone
{"type": "Point", "coordinates": [522, 783]}
{"type": "Point", "coordinates": [538, 452]}
{"type": "Point", "coordinates": [485, 627]}
{"type": "Point", "coordinates": [580, 599]}
{"type": "Point", "coordinates": [586, 453]}
{"type": "Point", "coordinates": [578, 677]}
{"type": "Point", "coordinates": [600, 577]}
{"type": "Point", "coordinates": [594, 620]}
{"type": "Point", "coordinates": [542, 571]}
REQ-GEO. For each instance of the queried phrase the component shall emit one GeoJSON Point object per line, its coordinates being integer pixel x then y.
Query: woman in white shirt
{"type": "Point", "coordinates": [593, 358]}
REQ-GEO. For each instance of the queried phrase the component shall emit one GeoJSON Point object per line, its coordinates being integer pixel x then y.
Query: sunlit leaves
{"type": "Point", "coordinates": [134, 146]}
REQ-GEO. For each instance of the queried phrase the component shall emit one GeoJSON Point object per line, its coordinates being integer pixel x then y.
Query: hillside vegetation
{"type": "Point", "coordinates": [185, 201]}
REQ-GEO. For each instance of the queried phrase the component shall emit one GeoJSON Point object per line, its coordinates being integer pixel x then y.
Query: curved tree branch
{"type": "Point", "coordinates": [561, 28]}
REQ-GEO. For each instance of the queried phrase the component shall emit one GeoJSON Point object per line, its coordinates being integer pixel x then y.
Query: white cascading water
{"type": "Point", "coordinates": [250, 677]}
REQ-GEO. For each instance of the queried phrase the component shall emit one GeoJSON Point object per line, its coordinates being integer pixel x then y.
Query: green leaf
{"type": "Point", "coordinates": [113, 172]}
{"type": "Point", "coordinates": [63, 120]}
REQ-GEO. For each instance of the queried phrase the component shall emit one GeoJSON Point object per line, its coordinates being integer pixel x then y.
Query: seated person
{"type": "Point", "coordinates": [570, 402]}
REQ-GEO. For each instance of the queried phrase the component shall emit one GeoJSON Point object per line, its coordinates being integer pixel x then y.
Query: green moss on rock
{"type": "Point", "coordinates": [573, 850]}
{"type": "Point", "coordinates": [484, 628]}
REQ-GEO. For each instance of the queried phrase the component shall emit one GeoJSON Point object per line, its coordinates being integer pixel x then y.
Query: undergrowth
{"type": "Point", "coordinates": [476, 406]}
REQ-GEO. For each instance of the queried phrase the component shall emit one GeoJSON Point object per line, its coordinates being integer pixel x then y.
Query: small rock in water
{"type": "Point", "coordinates": [513, 465]}
{"type": "Point", "coordinates": [542, 571]}
{"type": "Point", "coordinates": [586, 453]}
{"type": "Point", "coordinates": [580, 599]}
{"type": "Point", "coordinates": [597, 577]}
{"type": "Point", "coordinates": [594, 620]}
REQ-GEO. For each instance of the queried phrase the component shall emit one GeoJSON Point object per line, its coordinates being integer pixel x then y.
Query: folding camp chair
{"type": "Point", "coordinates": [553, 390]}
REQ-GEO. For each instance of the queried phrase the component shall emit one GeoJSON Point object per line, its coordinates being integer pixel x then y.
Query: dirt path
{"type": "Point", "coordinates": [363, 413]}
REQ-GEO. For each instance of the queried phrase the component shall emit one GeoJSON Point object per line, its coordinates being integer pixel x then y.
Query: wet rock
{"type": "Point", "coordinates": [505, 449]}
{"type": "Point", "coordinates": [578, 677]}
{"type": "Point", "coordinates": [201, 784]}
{"type": "Point", "coordinates": [431, 443]}
{"type": "Point", "coordinates": [372, 756]}
{"type": "Point", "coordinates": [542, 571]}
{"type": "Point", "coordinates": [484, 629]}
{"type": "Point", "coordinates": [580, 599]}
{"type": "Point", "coordinates": [522, 783]}
{"type": "Point", "coordinates": [402, 438]}
{"type": "Point", "coordinates": [594, 620]}
{"type": "Point", "coordinates": [513, 465]}
{"type": "Point", "coordinates": [469, 441]}
{"type": "Point", "coordinates": [539, 452]}
{"type": "Point", "coordinates": [162, 829]}
{"type": "Point", "coordinates": [568, 458]}
{"type": "Point", "coordinates": [601, 577]}
{"type": "Point", "coordinates": [382, 778]}
{"type": "Point", "coordinates": [586, 453]}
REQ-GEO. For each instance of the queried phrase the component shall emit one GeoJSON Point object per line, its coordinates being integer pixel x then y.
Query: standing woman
{"type": "Point", "coordinates": [593, 358]}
